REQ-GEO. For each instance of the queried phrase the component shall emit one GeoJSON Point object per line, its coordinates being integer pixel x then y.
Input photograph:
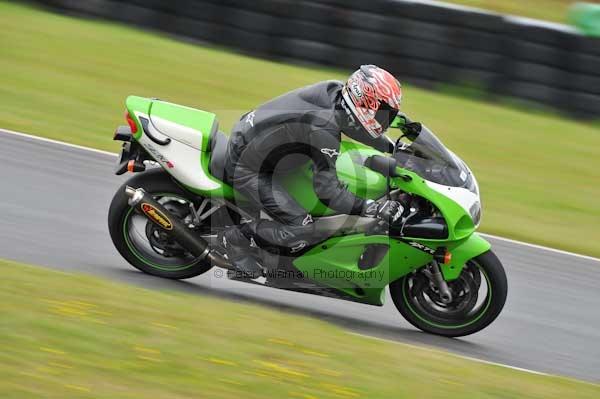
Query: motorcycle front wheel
{"type": "Point", "coordinates": [479, 294]}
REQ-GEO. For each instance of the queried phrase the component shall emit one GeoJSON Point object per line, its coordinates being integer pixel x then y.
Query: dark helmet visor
{"type": "Point", "coordinates": [385, 115]}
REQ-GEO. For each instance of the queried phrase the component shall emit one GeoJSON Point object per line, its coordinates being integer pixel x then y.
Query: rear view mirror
{"type": "Point", "coordinates": [398, 122]}
{"type": "Point", "coordinates": [411, 130]}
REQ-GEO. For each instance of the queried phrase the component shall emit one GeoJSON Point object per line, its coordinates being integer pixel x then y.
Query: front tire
{"type": "Point", "coordinates": [469, 312]}
{"type": "Point", "coordinates": [140, 242]}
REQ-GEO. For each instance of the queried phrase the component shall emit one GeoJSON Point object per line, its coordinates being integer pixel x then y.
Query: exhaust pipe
{"type": "Point", "coordinates": [157, 214]}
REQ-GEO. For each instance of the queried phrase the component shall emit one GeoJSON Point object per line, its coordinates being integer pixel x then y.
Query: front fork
{"type": "Point", "coordinates": [434, 274]}
{"type": "Point", "coordinates": [462, 251]}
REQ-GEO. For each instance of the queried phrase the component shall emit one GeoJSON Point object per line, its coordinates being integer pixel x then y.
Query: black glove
{"type": "Point", "coordinates": [388, 211]}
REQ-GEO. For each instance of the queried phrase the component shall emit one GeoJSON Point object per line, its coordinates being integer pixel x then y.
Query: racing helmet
{"type": "Point", "coordinates": [371, 97]}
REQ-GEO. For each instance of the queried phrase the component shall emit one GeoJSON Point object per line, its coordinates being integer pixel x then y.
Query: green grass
{"type": "Point", "coordinates": [550, 10]}
{"type": "Point", "coordinates": [67, 79]}
{"type": "Point", "coordinates": [74, 336]}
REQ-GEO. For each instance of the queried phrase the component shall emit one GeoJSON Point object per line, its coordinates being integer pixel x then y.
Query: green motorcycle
{"type": "Point", "coordinates": [442, 276]}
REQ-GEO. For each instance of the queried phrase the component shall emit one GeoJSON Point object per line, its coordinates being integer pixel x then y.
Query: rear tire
{"type": "Point", "coordinates": [120, 215]}
{"type": "Point", "coordinates": [421, 312]}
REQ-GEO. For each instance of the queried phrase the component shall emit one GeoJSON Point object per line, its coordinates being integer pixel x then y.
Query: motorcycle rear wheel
{"type": "Point", "coordinates": [141, 243]}
{"type": "Point", "coordinates": [468, 313]}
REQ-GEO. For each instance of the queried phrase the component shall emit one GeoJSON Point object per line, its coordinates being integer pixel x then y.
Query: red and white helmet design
{"type": "Point", "coordinates": [373, 95]}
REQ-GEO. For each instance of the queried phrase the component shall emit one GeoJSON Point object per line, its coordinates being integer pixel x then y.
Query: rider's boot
{"type": "Point", "coordinates": [240, 253]}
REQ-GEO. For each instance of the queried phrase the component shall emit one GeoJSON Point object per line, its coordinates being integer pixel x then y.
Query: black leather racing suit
{"type": "Point", "coordinates": [267, 142]}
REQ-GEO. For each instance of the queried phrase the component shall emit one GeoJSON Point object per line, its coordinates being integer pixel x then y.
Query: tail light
{"type": "Point", "coordinates": [131, 122]}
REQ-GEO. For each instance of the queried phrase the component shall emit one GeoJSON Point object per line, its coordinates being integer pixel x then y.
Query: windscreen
{"type": "Point", "coordinates": [431, 160]}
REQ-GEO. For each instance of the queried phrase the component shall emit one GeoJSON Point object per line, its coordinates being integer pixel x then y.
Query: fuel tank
{"type": "Point", "coordinates": [360, 180]}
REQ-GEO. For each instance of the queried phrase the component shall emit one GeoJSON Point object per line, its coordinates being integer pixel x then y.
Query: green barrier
{"type": "Point", "coordinates": [586, 17]}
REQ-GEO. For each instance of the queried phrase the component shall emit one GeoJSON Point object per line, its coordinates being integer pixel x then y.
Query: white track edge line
{"type": "Point", "coordinates": [436, 349]}
{"type": "Point", "coordinates": [526, 244]}
{"type": "Point", "coordinates": [536, 246]}
{"type": "Point", "coordinates": [58, 142]}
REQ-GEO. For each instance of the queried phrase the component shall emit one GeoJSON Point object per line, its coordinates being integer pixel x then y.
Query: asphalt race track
{"type": "Point", "coordinates": [54, 202]}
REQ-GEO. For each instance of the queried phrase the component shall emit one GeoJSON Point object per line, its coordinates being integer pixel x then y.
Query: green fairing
{"type": "Point", "coordinates": [460, 224]}
{"type": "Point", "coordinates": [462, 251]}
{"type": "Point", "coordinates": [335, 263]}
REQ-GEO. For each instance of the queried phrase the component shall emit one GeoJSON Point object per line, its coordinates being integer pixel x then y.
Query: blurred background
{"type": "Point", "coordinates": [425, 43]}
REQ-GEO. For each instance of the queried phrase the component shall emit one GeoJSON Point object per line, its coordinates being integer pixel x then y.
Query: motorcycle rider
{"type": "Point", "coordinates": [307, 121]}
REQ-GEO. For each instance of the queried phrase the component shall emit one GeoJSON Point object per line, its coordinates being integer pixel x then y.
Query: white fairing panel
{"type": "Point", "coordinates": [463, 197]}
{"type": "Point", "coordinates": [175, 131]}
{"type": "Point", "coordinates": [181, 160]}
